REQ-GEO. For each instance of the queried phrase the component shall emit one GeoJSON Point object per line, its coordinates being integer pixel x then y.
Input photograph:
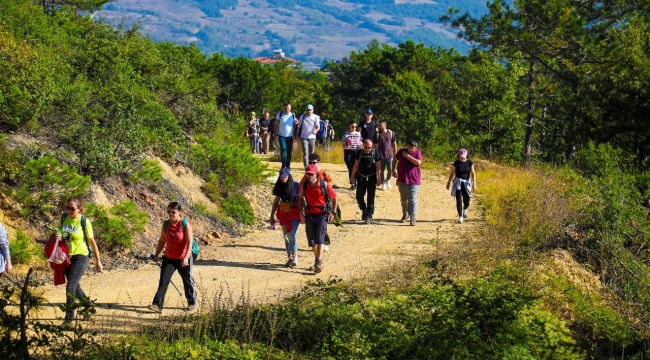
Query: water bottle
{"type": "Point", "coordinates": [272, 224]}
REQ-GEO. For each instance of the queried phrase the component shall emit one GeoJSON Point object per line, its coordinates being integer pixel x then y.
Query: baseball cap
{"type": "Point", "coordinates": [311, 169]}
{"type": "Point", "coordinates": [309, 107]}
{"type": "Point", "coordinates": [462, 153]}
{"type": "Point", "coordinates": [253, 113]}
{"type": "Point", "coordinates": [369, 111]}
{"type": "Point", "coordinates": [285, 172]}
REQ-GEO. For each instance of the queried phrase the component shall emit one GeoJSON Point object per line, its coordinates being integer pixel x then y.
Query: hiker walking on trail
{"type": "Point", "coordinates": [5, 256]}
{"type": "Point", "coordinates": [367, 166]}
{"type": "Point", "coordinates": [406, 168]}
{"type": "Point", "coordinates": [77, 232]}
{"type": "Point", "coordinates": [318, 206]}
{"type": "Point", "coordinates": [351, 143]}
{"type": "Point", "coordinates": [308, 127]}
{"type": "Point", "coordinates": [265, 123]}
{"type": "Point", "coordinates": [462, 187]}
{"type": "Point", "coordinates": [322, 132]}
{"type": "Point", "coordinates": [314, 159]}
{"type": "Point", "coordinates": [285, 205]}
{"type": "Point", "coordinates": [176, 237]}
{"type": "Point", "coordinates": [285, 126]}
{"type": "Point", "coordinates": [368, 128]}
{"type": "Point", "coordinates": [253, 133]}
{"type": "Point", "coordinates": [387, 147]}
{"type": "Point", "coordinates": [329, 136]}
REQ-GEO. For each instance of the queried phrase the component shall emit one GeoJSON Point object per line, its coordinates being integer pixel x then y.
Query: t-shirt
{"type": "Point", "coordinates": [264, 124]}
{"type": "Point", "coordinates": [368, 130]}
{"type": "Point", "coordinates": [308, 124]}
{"type": "Point", "coordinates": [367, 162]}
{"type": "Point", "coordinates": [385, 142]}
{"type": "Point", "coordinates": [76, 242]}
{"type": "Point", "coordinates": [286, 124]}
{"type": "Point", "coordinates": [175, 244]}
{"type": "Point", "coordinates": [315, 198]}
{"type": "Point", "coordinates": [463, 168]}
{"type": "Point", "coordinates": [407, 172]}
{"type": "Point", "coordinates": [253, 127]}
{"type": "Point", "coordinates": [322, 132]}
{"type": "Point", "coordinates": [352, 139]}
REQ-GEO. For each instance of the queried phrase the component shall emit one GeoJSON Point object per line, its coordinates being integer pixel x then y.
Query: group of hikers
{"type": "Point", "coordinates": [372, 159]}
{"type": "Point", "coordinates": [262, 132]}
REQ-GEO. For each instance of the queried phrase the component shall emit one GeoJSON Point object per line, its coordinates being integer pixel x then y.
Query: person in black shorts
{"type": "Point", "coordinates": [464, 183]}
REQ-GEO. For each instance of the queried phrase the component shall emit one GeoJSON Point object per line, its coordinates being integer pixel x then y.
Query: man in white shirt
{"type": "Point", "coordinates": [308, 127]}
{"type": "Point", "coordinates": [284, 132]}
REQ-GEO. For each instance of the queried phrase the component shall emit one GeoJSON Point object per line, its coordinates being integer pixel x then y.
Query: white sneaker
{"type": "Point", "coordinates": [460, 219]}
{"type": "Point", "coordinates": [388, 185]}
{"type": "Point", "coordinates": [465, 214]}
{"type": "Point", "coordinates": [326, 248]}
{"type": "Point", "coordinates": [383, 186]}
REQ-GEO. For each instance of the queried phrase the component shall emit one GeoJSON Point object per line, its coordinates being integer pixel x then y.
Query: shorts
{"type": "Point", "coordinates": [316, 227]}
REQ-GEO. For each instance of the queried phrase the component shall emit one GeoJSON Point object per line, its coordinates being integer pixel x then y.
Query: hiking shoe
{"type": "Point", "coordinates": [155, 308]}
{"type": "Point", "coordinates": [412, 221]}
{"type": "Point", "coordinates": [363, 215]}
{"type": "Point", "coordinates": [288, 263]}
{"type": "Point", "coordinates": [294, 260]}
{"type": "Point", "coordinates": [465, 214]}
{"type": "Point", "coordinates": [460, 219]}
{"type": "Point", "coordinates": [318, 266]}
{"type": "Point", "coordinates": [368, 219]}
{"type": "Point", "coordinates": [191, 307]}
{"type": "Point", "coordinates": [405, 218]}
{"type": "Point", "coordinates": [383, 186]}
{"type": "Point", "coordinates": [388, 185]}
{"type": "Point", "coordinates": [67, 324]}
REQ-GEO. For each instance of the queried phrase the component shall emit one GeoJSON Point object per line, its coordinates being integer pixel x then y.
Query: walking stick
{"type": "Point", "coordinates": [151, 256]}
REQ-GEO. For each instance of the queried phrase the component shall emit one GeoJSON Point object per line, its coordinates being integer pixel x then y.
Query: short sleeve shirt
{"type": "Point", "coordinates": [463, 168]}
{"type": "Point", "coordinates": [307, 125]}
{"type": "Point", "coordinates": [175, 244]}
{"type": "Point", "coordinates": [367, 162]}
{"type": "Point", "coordinates": [368, 130]}
{"type": "Point", "coordinates": [76, 242]}
{"type": "Point", "coordinates": [264, 124]}
{"type": "Point", "coordinates": [385, 142]}
{"type": "Point", "coordinates": [315, 198]}
{"type": "Point", "coordinates": [407, 172]}
{"type": "Point", "coordinates": [285, 128]}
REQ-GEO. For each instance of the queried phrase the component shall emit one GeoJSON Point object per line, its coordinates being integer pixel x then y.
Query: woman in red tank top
{"type": "Point", "coordinates": [177, 241]}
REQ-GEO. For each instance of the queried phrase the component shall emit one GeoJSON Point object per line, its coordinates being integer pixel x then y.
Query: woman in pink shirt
{"type": "Point", "coordinates": [406, 168]}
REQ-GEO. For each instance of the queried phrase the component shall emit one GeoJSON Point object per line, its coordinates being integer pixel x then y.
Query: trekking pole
{"type": "Point", "coordinates": [151, 256]}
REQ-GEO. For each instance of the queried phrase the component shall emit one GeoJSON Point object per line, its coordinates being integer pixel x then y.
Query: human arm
{"type": "Point", "coordinates": [473, 175]}
{"type": "Point", "coordinates": [378, 165]}
{"type": "Point", "coordinates": [160, 245]}
{"type": "Point", "coordinates": [335, 204]}
{"type": "Point", "coordinates": [298, 128]}
{"type": "Point", "coordinates": [316, 126]}
{"type": "Point", "coordinates": [189, 235]}
{"type": "Point", "coordinates": [451, 176]}
{"type": "Point", "coordinates": [394, 167]}
{"type": "Point", "coordinates": [355, 168]}
{"type": "Point", "coordinates": [98, 262]}
{"type": "Point", "coordinates": [4, 247]}
{"type": "Point", "coordinates": [274, 208]}
{"type": "Point", "coordinates": [411, 158]}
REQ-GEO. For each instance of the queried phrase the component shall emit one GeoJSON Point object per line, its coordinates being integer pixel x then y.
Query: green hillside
{"type": "Point", "coordinates": [556, 100]}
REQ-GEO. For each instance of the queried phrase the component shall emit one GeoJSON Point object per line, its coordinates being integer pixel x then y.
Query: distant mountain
{"type": "Point", "coordinates": [307, 30]}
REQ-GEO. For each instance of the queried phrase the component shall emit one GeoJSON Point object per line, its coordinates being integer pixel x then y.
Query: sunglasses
{"type": "Point", "coordinates": [71, 208]}
{"type": "Point", "coordinates": [368, 147]}
{"type": "Point", "coordinates": [313, 162]}
{"type": "Point", "coordinates": [353, 126]}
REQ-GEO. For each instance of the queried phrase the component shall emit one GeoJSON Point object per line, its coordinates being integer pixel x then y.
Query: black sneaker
{"type": "Point", "coordinates": [363, 215]}
{"type": "Point", "coordinates": [368, 219]}
{"type": "Point", "coordinates": [405, 218]}
{"type": "Point", "coordinates": [155, 308]}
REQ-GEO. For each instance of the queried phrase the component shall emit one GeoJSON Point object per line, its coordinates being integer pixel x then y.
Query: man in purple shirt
{"type": "Point", "coordinates": [406, 168]}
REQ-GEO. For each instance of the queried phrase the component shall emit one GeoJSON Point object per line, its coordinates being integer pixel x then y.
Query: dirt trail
{"type": "Point", "coordinates": [252, 265]}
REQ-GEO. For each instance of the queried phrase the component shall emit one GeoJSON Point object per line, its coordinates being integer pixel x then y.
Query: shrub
{"type": "Point", "coordinates": [120, 227]}
{"type": "Point", "coordinates": [238, 207]}
{"type": "Point", "coordinates": [23, 250]}
{"type": "Point", "coordinates": [12, 161]}
{"type": "Point", "coordinates": [46, 182]}
{"type": "Point", "coordinates": [150, 171]}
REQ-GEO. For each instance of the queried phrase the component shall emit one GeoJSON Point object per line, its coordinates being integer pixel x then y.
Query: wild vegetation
{"type": "Point", "coordinates": [560, 270]}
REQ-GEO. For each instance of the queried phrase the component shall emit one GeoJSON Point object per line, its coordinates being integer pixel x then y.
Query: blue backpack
{"type": "Point", "coordinates": [195, 244]}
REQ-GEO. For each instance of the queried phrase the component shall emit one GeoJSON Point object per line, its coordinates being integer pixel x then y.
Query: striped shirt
{"type": "Point", "coordinates": [352, 140]}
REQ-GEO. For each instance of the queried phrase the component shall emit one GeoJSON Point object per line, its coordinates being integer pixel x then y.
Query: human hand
{"type": "Point", "coordinates": [8, 267]}
{"type": "Point", "coordinates": [395, 174]}
{"type": "Point", "coordinates": [378, 182]}
{"type": "Point", "coordinates": [330, 217]}
{"type": "Point", "coordinates": [473, 187]}
{"type": "Point", "coordinates": [154, 258]}
{"type": "Point", "coordinates": [447, 186]}
{"type": "Point", "coordinates": [186, 262]}
{"type": "Point", "coordinates": [99, 267]}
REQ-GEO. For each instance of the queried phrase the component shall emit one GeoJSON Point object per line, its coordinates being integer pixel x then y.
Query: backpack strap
{"type": "Point", "coordinates": [323, 188]}
{"type": "Point", "coordinates": [83, 230]}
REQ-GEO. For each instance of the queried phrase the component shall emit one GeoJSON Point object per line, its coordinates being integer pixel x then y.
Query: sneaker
{"type": "Point", "coordinates": [383, 186]}
{"type": "Point", "coordinates": [388, 185]}
{"type": "Point", "coordinates": [368, 219]}
{"type": "Point", "coordinates": [191, 307]}
{"type": "Point", "coordinates": [294, 260]}
{"type": "Point", "coordinates": [318, 266]}
{"type": "Point", "coordinates": [405, 218]}
{"type": "Point", "coordinates": [67, 324]}
{"type": "Point", "coordinates": [155, 308]}
{"type": "Point", "coordinates": [326, 248]}
{"type": "Point", "coordinates": [465, 214]}
{"type": "Point", "coordinates": [412, 221]}
{"type": "Point", "coordinates": [288, 263]}
{"type": "Point", "coordinates": [460, 219]}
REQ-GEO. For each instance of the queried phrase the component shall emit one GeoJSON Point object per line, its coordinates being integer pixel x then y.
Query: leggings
{"type": "Point", "coordinates": [462, 199]}
{"type": "Point", "coordinates": [73, 290]}
{"type": "Point", "coordinates": [348, 158]}
{"type": "Point", "coordinates": [167, 269]}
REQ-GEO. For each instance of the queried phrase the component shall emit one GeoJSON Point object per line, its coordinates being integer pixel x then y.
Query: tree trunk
{"type": "Point", "coordinates": [530, 113]}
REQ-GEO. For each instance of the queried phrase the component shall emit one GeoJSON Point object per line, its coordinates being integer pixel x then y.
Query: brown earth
{"type": "Point", "coordinates": [251, 265]}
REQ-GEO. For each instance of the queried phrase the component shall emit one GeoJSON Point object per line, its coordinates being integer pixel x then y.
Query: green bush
{"type": "Point", "coordinates": [120, 227]}
{"type": "Point", "coordinates": [238, 207]}
{"type": "Point", "coordinates": [150, 171]}
{"type": "Point", "coordinates": [12, 161]}
{"type": "Point", "coordinates": [45, 183]}
{"type": "Point", "coordinates": [23, 250]}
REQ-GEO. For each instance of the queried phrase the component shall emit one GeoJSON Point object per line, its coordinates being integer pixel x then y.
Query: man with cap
{"type": "Point", "coordinates": [367, 165]}
{"type": "Point", "coordinates": [308, 127]}
{"type": "Point", "coordinates": [285, 205]}
{"type": "Point", "coordinates": [368, 127]}
{"type": "Point", "coordinates": [315, 212]}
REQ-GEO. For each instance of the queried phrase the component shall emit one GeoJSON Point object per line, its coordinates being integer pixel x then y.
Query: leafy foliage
{"type": "Point", "coordinates": [150, 171]}
{"type": "Point", "coordinates": [238, 207]}
{"type": "Point", "coordinates": [23, 250]}
{"type": "Point", "coordinates": [118, 226]}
